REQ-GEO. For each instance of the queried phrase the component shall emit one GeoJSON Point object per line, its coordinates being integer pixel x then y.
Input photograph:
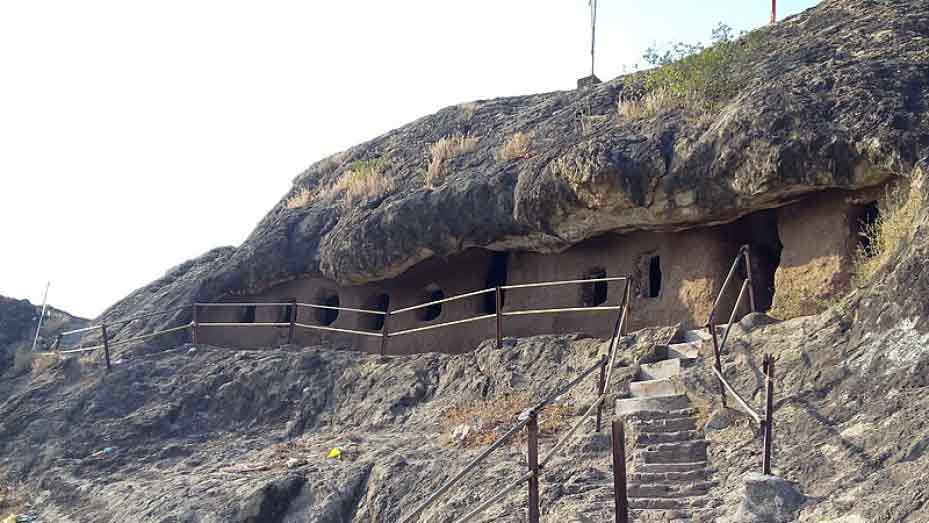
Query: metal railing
{"type": "Point", "coordinates": [529, 420]}
{"type": "Point", "coordinates": [292, 323]}
{"type": "Point", "coordinates": [764, 419]}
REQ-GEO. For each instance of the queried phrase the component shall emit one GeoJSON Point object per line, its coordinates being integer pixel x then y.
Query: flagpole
{"type": "Point", "coordinates": [38, 327]}
{"type": "Point", "coordinates": [593, 33]}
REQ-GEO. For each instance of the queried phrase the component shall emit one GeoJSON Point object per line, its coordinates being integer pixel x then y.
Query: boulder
{"type": "Point", "coordinates": [768, 499]}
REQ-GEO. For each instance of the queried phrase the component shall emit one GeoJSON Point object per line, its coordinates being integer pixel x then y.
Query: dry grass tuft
{"type": "Point", "coordinates": [364, 180]}
{"type": "Point", "coordinates": [446, 149]}
{"type": "Point", "coordinates": [468, 110]}
{"type": "Point", "coordinates": [44, 361]}
{"type": "Point", "coordinates": [489, 419]}
{"type": "Point", "coordinates": [23, 359]}
{"type": "Point", "coordinates": [900, 212]}
{"type": "Point", "coordinates": [516, 146]}
{"type": "Point", "coordinates": [649, 105]}
{"type": "Point", "coordinates": [794, 298]}
{"type": "Point", "coordinates": [301, 199]}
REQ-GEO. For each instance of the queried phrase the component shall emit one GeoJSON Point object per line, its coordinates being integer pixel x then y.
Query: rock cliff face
{"type": "Point", "coordinates": [832, 98]}
{"type": "Point", "coordinates": [17, 327]}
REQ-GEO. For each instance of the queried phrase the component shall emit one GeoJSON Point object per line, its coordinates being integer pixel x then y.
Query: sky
{"type": "Point", "coordinates": [137, 135]}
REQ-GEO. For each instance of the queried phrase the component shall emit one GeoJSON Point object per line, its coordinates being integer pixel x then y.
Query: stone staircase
{"type": "Point", "coordinates": [669, 478]}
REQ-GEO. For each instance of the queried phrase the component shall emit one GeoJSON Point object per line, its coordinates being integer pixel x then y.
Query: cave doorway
{"type": "Point", "coordinates": [496, 277]}
{"type": "Point", "coordinates": [248, 315]}
{"type": "Point", "coordinates": [594, 293]}
{"type": "Point", "coordinates": [327, 315]}
{"type": "Point", "coordinates": [759, 231]}
{"type": "Point", "coordinates": [433, 293]}
{"type": "Point", "coordinates": [864, 220]}
{"type": "Point", "coordinates": [654, 277]}
{"type": "Point", "coordinates": [375, 322]}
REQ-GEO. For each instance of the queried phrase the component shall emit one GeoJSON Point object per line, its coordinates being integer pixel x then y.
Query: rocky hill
{"type": "Point", "coordinates": [18, 319]}
{"type": "Point", "coordinates": [832, 98]}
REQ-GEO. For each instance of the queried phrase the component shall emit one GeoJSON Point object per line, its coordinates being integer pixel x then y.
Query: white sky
{"type": "Point", "coordinates": [136, 135]}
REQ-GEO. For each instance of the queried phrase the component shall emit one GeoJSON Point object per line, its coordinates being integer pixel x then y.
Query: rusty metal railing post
{"type": "Point", "coordinates": [106, 346]}
{"type": "Point", "coordinates": [718, 364]}
{"type": "Point", "coordinates": [499, 307]}
{"type": "Point", "coordinates": [600, 390]}
{"type": "Point", "coordinates": [768, 370]}
{"type": "Point", "coordinates": [619, 472]}
{"type": "Point", "coordinates": [194, 325]}
{"type": "Point", "coordinates": [385, 331]}
{"type": "Point", "coordinates": [532, 430]}
{"type": "Point", "coordinates": [748, 273]}
{"type": "Point", "coordinates": [293, 321]}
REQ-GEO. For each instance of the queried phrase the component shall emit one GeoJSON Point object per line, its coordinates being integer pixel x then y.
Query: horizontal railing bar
{"type": "Point", "coordinates": [497, 497]}
{"type": "Point", "coordinates": [146, 315]}
{"type": "Point", "coordinates": [78, 331]}
{"type": "Point", "coordinates": [72, 351]}
{"type": "Point", "coordinates": [752, 412]}
{"type": "Point", "coordinates": [439, 325]}
{"type": "Point", "coordinates": [564, 390]}
{"type": "Point", "coordinates": [735, 310]}
{"type": "Point", "coordinates": [249, 324]}
{"type": "Point", "coordinates": [467, 468]}
{"type": "Point", "coordinates": [348, 309]}
{"type": "Point", "coordinates": [334, 329]}
{"type": "Point", "coordinates": [725, 285]}
{"type": "Point", "coordinates": [245, 304]}
{"type": "Point", "coordinates": [566, 309]}
{"type": "Point", "coordinates": [444, 300]}
{"type": "Point", "coordinates": [151, 335]}
{"type": "Point", "coordinates": [561, 282]}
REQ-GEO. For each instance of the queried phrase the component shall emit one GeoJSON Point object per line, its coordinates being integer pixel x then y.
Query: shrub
{"type": "Point", "coordinates": [301, 198]}
{"type": "Point", "coordinates": [900, 212]}
{"type": "Point", "coordinates": [446, 149]}
{"type": "Point", "coordinates": [648, 105]}
{"type": "Point", "coordinates": [713, 73]}
{"type": "Point", "coordinates": [364, 180]}
{"type": "Point", "coordinates": [516, 146]}
{"type": "Point", "coordinates": [489, 419]}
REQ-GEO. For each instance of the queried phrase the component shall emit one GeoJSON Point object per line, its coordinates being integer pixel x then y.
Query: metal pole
{"type": "Point", "coordinates": [718, 364]}
{"type": "Point", "coordinates": [499, 298]}
{"type": "Point", "coordinates": [751, 282]}
{"type": "Point", "coordinates": [385, 331]}
{"type": "Point", "coordinates": [194, 330]}
{"type": "Point", "coordinates": [769, 413]}
{"type": "Point", "coordinates": [106, 347]}
{"type": "Point", "coordinates": [57, 343]}
{"type": "Point", "coordinates": [773, 11]}
{"type": "Point", "coordinates": [533, 436]}
{"type": "Point", "coordinates": [600, 391]}
{"type": "Point", "coordinates": [38, 327]}
{"type": "Point", "coordinates": [593, 33]}
{"type": "Point", "coordinates": [619, 472]}
{"type": "Point", "coordinates": [293, 322]}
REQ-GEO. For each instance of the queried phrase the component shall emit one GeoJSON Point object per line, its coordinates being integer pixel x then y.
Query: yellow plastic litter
{"type": "Point", "coordinates": [9, 519]}
{"type": "Point", "coordinates": [335, 453]}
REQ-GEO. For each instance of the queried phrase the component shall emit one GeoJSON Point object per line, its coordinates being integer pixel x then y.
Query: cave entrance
{"type": "Point", "coordinates": [864, 220]}
{"type": "Point", "coordinates": [759, 231]}
{"type": "Point", "coordinates": [496, 277]}
{"type": "Point", "coordinates": [594, 293]}
{"type": "Point", "coordinates": [432, 293]}
{"type": "Point", "coordinates": [329, 312]}
{"type": "Point", "coordinates": [375, 322]}
{"type": "Point", "coordinates": [654, 277]}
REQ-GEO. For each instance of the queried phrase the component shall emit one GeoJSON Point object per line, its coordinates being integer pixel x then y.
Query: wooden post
{"type": "Point", "coordinates": [768, 367]}
{"type": "Point", "coordinates": [600, 391]}
{"type": "Point", "coordinates": [718, 365]}
{"type": "Point", "coordinates": [499, 308]}
{"type": "Point", "coordinates": [748, 273]}
{"type": "Point", "coordinates": [194, 328]}
{"type": "Point", "coordinates": [619, 472]}
{"type": "Point", "coordinates": [533, 436]}
{"type": "Point", "coordinates": [106, 347]}
{"type": "Point", "coordinates": [385, 331]}
{"type": "Point", "coordinates": [293, 321]}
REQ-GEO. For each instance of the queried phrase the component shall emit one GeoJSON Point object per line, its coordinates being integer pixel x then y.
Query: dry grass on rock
{"type": "Point", "coordinates": [364, 180]}
{"type": "Point", "coordinates": [900, 212]}
{"type": "Point", "coordinates": [795, 298]}
{"type": "Point", "coordinates": [648, 105]}
{"type": "Point", "coordinates": [489, 419]}
{"type": "Point", "coordinates": [516, 146]}
{"type": "Point", "coordinates": [444, 150]}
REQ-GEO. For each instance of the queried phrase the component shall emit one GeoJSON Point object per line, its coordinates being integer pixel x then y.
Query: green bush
{"type": "Point", "coordinates": [714, 73]}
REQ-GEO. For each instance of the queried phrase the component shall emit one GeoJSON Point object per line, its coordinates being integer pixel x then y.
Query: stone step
{"type": "Point", "coordinates": [696, 335]}
{"type": "Point", "coordinates": [688, 350]}
{"type": "Point", "coordinates": [650, 438]}
{"type": "Point", "coordinates": [673, 476]}
{"type": "Point", "coordinates": [649, 415]}
{"type": "Point", "coordinates": [666, 425]}
{"type": "Point", "coordinates": [658, 516]}
{"type": "Point", "coordinates": [632, 405]}
{"type": "Point", "coordinates": [659, 468]}
{"type": "Point", "coordinates": [660, 387]}
{"type": "Point", "coordinates": [660, 369]}
{"type": "Point", "coordinates": [681, 503]}
{"type": "Point", "coordinates": [668, 490]}
{"type": "Point", "coordinates": [681, 452]}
